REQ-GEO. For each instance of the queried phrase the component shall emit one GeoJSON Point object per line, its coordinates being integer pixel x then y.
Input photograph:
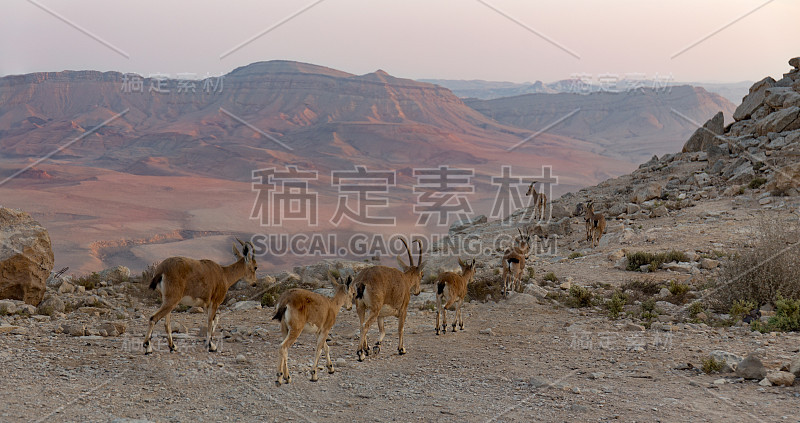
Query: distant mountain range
{"type": "Point", "coordinates": [631, 125]}
{"type": "Point", "coordinates": [170, 171]}
{"type": "Point", "coordinates": [488, 90]}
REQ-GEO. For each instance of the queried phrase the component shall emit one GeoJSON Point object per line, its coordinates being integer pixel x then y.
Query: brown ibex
{"type": "Point", "coordinates": [539, 201]}
{"type": "Point", "coordinates": [451, 289]}
{"type": "Point", "coordinates": [299, 310]}
{"type": "Point", "coordinates": [199, 283]}
{"type": "Point", "coordinates": [386, 291]}
{"type": "Point", "coordinates": [514, 262]}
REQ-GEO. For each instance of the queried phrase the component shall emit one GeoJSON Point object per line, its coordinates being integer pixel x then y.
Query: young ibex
{"type": "Point", "coordinates": [451, 288]}
{"type": "Point", "coordinates": [539, 201]}
{"type": "Point", "coordinates": [386, 291]}
{"type": "Point", "coordinates": [514, 262]}
{"type": "Point", "coordinates": [595, 224]}
{"type": "Point", "coordinates": [201, 283]}
{"type": "Point", "coordinates": [299, 310]}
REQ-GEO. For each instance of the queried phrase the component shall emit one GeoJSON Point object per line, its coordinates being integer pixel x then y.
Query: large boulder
{"type": "Point", "coordinates": [26, 257]}
{"type": "Point", "coordinates": [755, 99]}
{"type": "Point", "coordinates": [751, 368]}
{"type": "Point", "coordinates": [705, 137]}
{"type": "Point", "coordinates": [787, 177]}
{"type": "Point", "coordinates": [649, 192]}
{"type": "Point", "coordinates": [787, 119]}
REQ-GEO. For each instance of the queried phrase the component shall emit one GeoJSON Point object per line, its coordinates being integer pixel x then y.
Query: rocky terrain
{"type": "Point", "coordinates": [568, 347]}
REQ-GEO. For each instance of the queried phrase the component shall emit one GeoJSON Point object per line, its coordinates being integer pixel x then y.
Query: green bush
{"type": "Point", "coordinates": [640, 258]}
{"type": "Point", "coordinates": [581, 296]}
{"type": "Point", "coordinates": [711, 365]}
{"type": "Point", "coordinates": [551, 277]}
{"type": "Point", "coordinates": [575, 255]}
{"type": "Point", "coordinates": [756, 182]}
{"type": "Point", "coordinates": [740, 309]}
{"type": "Point", "coordinates": [786, 318]}
{"type": "Point", "coordinates": [696, 308]}
{"type": "Point", "coordinates": [616, 304]}
{"type": "Point", "coordinates": [88, 281]}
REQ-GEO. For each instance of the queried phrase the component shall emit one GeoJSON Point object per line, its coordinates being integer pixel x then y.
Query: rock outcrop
{"type": "Point", "coordinates": [26, 257]}
{"type": "Point", "coordinates": [705, 137]}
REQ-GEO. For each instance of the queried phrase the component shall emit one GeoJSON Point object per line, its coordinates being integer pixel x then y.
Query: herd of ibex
{"type": "Point", "coordinates": [377, 291]}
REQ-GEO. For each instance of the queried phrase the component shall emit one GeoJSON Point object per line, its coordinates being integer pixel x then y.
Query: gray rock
{"type": "Point", "coordinates": [794, 367]}
{"type": "Point", "coordinates": [26, 257]}
{"type": "Point", "coordinates": [783, 120]}
{"type": "Point", "coordinates": [535, 290]}
{"type": "Point", "coordinates": [729, 360]}
{"type": "Point", "coordinates": [708, 264]}
{"type": "Point", "coordinates": [632, 208]}
{"type": "Point", "coordinates": [751, 368]}
{"type": "Point", "coordinates": [116, 274]}
{"type": "Point", "coordinates": [754, 99]}
{"type": "Point", "coordinates": [659, 211]}
{"type": "Point", "coordinates": [705, 137]}
{"type": "Point", "coordinates": [50, 306]}
{"type": "Point", "coordinates": [464, 224]}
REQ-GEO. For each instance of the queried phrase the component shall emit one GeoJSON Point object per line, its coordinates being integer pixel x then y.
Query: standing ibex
{"type": "Point", "coordinates": [595, 223]}
{"type": "Point", "coordinates": [200, 283]}
{"type": "Point", "coordinates": [514, 262]}
{"type": "Point", "coordinates": [386, 291]}
{"type": "Point", "coordinates": [451, 288]}
{"type": "Point", "coordinates": [539, 201]}
{"type": "Point", "coordinates": [300, 309]}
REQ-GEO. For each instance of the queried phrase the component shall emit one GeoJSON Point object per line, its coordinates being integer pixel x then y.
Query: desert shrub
{"type": "Point", "coordinates": [640, 258]}
{"type": "Point", "coordinates": [89, 282]}
{"type": "Point", "coordinates": [711, 365]}
{"type": "Point", "coordinates": [149, 272]}
{"type": "Point", "coordinates": [551, 277]}
{"type": "Point", "coordinates": [335, 274]}
{"type": "Point", "coordinates": [575, 255]}
{"type": "Point", "coordinates": [696, 308]}
{"type": "Point", "coordinates": [646, 287]}
{"type": "Point", "coordinates": [485, 286]}
{"type": "Point", "coordinates": [580, 296]}
{"type": "Point", "coordinates": [531, 272]}
{"type": "Point", "coordinates": [765, 271]}
{"type": "Point", "coordinates": [616, 304]}
{"type": "Point", "coordinates": [741, 308]}
{"type": "Point", "coordinates": [786, 318]}
{"type": "Point", "coordinates": [756, 182]}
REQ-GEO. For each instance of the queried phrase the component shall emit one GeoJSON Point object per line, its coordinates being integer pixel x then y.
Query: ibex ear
{"type": "Point", "coordinates": [247, 253]}
{"type": "Point", "coordinates": [349, 280]}
{"type": "Point", "coordinates": [421, 265]}
{"type": "Point", "coordinates": [461, 262]}
{"type": "Point", "coordinates": [236, 251]}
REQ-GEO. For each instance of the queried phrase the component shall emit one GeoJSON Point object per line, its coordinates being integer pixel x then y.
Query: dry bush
{"type": "Point", "coordinates": [485, 285]}
{"type": "Point", "coordinates": [765, 271]}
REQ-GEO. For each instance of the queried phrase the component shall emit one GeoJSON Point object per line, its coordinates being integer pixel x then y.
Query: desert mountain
{"type": "Point", "coordinates": [631, 125]}
{"type": "Point", "coordinates": [489, 90]}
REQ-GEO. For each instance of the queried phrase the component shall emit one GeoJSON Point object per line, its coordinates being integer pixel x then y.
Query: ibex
{"type": "Point", "coordinates": [200, 283]}
{"type": "Point", "coordinates": [595, 224]}
{"type": "Point", "coordinates": [299, 310]}
{"type": "Point", "coordinates": [539, 201]}
{"type": "Point", "coordinates": [451, 288]}
{"type": "Point", "coordinates": [514, 262]}
{"type": "Point", "coordinates": [386, 291]}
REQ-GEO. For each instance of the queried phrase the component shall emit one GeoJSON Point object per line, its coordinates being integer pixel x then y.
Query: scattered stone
{"type": "Point", "coordinates": [464, 224]}
{"type": "Point", "coordinates": [66, 288]}
{"type": "Point", "coordinates": [116, 274]}
{"type": "Point", "coordinates": [781, 378]}
{"type": "Point", "coordinates": [241, 359]}
{"type": "Point", "coordinates": [50, 305]}
{"type": "Point", "coordinates": [74, 329]}
{"type": "Point", "coordinates": [111, 328]}
{"type": "Point", "coordinates": [708, 264]}
{"type": "Point", "coordinates": [794, 367]}
{"type": "Point", "coordinates": [520, 298]}
{"type": "Point", "coordinates": [487, 332]}
{"type": "Point", "coordinates": [634, 327]}
{"type": "Point", "coordinates": [765, 382]}
{"type": "Point", "coordinates": [535, 290]}
{"type": "Point", "coordinates": [751, 368]}
{"type": "Point", "coordinates": [729, 360]}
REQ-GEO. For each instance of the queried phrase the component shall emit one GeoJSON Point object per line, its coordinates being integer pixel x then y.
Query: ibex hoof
{"type": "Point", "coordinates": [330, 370]}
{"type": "Point", "coordinates": [401, 351]}
{"type": "Point", "coordinates": [173, 348]}
{"type": "Point", "coordinates": [437, 331]}
{"type": "Point", "coordinates": [314, 376]}
{"type": "Point", "coordinates": [376, 349]}
{"type": "Point", "coordinates": [212, 347]}
{"type": "Point", "coordinates": [361, 355]}
{"type": "Point", "coordinates": [287, 379]}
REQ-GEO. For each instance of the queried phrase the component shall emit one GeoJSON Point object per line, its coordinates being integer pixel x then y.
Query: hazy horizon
{"type": "Point", "coordinates": [495, 40]}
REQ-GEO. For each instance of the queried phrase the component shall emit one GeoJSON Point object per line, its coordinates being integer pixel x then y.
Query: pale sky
{"type": "Point", "coordinates": [448, 39]}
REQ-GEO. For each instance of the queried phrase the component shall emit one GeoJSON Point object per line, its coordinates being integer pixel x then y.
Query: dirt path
{"type": "Point", "coordinates": [538, 364]}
